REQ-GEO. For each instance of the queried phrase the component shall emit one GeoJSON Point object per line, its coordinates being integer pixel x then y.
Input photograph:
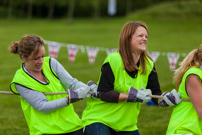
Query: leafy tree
{"type": "Point", "coordinates": [96, 14]}
{"type": "Point", "coordinates": [10, 8]}
{"type": "Point", "coordinates": [51, 8]}
{"type": "Point", "coordinates": [30, 9]}
{"type": "Point", "coordinates": [70, 12]}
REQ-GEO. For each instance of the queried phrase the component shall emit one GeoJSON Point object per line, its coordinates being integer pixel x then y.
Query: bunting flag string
{"type": "Point", "coordinates": [81, 47]}
{"type": "Point", "coordinates": [172, 58]}
{"type": "Point", "coordinates": [92, 52]}
{"type": "Point", "coordinates": [109, 51]}
{"type": "Point", "coordinates": [154, 55]}
{"type": "Point", "coordinates": [53, 49]}
{"type": "Point", "coordinates": [72, 51]}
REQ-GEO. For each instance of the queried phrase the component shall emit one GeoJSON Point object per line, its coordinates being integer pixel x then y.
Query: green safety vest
{"type": "Point", "coordinates": [121, 116]}
{"type": "Point", "coordinates": [184, 118]}
{"type": "Point", "coordinates": [62, 120]}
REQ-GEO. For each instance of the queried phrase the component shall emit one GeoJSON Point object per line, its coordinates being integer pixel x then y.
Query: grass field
{"type": "Point", "coordinates": [172, 35]}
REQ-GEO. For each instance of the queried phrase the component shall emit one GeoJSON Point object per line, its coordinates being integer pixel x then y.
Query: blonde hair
{"type": "Point", "coordinates": [26, 45]}
{"type": "Point", "coordinates": [125, 47]}
{"type": "Point", "coordinates": [194, 58]}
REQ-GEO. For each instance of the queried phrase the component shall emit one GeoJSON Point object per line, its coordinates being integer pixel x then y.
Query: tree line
{"type": "Point", "coordinates": [69, 9]}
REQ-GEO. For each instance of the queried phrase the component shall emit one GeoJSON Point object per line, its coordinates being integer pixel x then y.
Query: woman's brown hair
{"type": "Point", "coordinates": [125, 47]}
{"type": "Point", "coordinates": [26, 45]}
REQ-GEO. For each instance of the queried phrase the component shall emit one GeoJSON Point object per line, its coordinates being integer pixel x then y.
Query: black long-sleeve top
{"type": "Point", "coordinates": [106, 84]}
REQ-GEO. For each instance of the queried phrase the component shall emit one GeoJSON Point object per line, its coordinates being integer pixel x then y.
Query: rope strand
{"type": "Point", "coordinates": [58, 93]}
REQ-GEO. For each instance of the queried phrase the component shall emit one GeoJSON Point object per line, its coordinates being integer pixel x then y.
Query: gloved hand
{"type": "Point", "coordinates": [170, 98]}
{"type": "Point", "coordinates": [140, 95]}
{"type": "Point", "coordinates": [78, 94]}
{"type": "Point", "coordinates": [93, 88]}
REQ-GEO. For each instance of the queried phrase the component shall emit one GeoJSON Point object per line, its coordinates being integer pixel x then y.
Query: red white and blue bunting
{"type": "Point", "coordinates": [154, 55]}
{"type": "Point", "coordinates": [72, 51]}
{"type": "Point", "coordinates": [92, 52]}
{"type": "Point", "coordinates": [173, 58]}
{"type": "Point", "coordinates": [53, 49]}
{"type": "Point", "coordinates": [109, 51]}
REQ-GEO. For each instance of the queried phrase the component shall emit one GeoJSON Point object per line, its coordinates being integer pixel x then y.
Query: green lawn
{"type": "Point", "coordinates": [178, 35]}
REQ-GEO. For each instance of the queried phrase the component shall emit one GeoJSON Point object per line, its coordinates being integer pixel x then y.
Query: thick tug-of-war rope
{"type": "Point", "coordinates": [58, 93]}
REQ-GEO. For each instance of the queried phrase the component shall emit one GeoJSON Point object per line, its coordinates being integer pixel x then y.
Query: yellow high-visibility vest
{"type": "Point", "coordinates": [121, 116]}
{"type": "Point", "coordinates": [62, 120]}
{"type": "Point", "coordinates": [184, 118]}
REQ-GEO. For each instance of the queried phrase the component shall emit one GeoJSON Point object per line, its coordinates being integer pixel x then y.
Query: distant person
{"type": "Point", "coordinates": [129, 70]}
{"type": "Point", "coordinates": [186, 117]}
{"type": "Point", "coordinates": [46, 114]}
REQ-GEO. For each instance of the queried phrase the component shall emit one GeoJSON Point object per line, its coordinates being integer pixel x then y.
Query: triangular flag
{"type": "Point", "coordinates": [92, 53]}
{"type": "Point", "coordinates": [173, 58]}
{"type": "Point", "coordinates": [154, 55]}
{"type": "Point", "coordinates": [72, 51]}
{"type": "Point", "coordinates": [109, 51]}
{"type": "Point", "coordinates": [53, 49]}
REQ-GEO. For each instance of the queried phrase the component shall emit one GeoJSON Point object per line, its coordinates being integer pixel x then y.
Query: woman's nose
{"type": "Point", "coordinates": [41, 60]}
{"type": "Point", "coordinates": [144, 38]}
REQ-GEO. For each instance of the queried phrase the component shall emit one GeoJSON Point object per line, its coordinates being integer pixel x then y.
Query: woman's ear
{"type": "Point", "coordinates": [22, 57]}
